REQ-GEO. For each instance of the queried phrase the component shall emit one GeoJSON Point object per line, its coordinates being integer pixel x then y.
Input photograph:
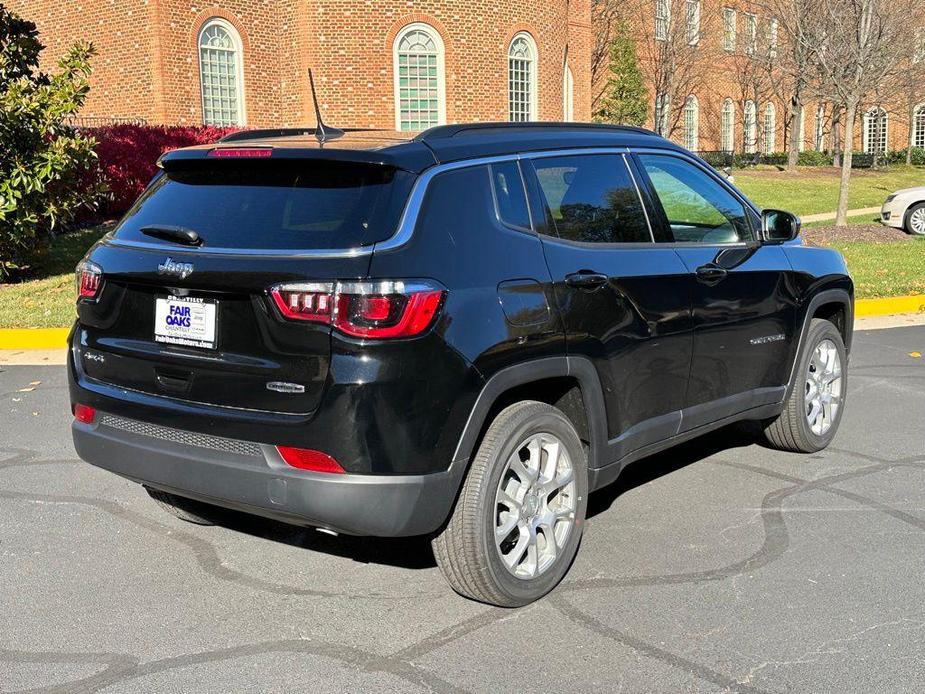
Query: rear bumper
{"type": "Point", "coordinates": [253, 478]}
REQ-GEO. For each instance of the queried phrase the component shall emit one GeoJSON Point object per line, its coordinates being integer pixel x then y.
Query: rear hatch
{"type": "Point", "coordinates": [184, 310]}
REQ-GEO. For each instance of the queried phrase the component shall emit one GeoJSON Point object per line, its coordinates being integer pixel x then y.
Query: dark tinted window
{"type": "Point", "coordinates": [278, 205]}
{"type": "Point", "coordinates": [509, 192]}
{"type": "Point", "coordinates": [699, 209]}
{"type": "Point", "coordinates": [592, 199]}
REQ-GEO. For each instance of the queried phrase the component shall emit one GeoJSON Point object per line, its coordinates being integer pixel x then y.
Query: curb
{"type": "Point", "coordinates": [33, 338]}
{"type": "Point", "coordinates": [889, 306]}
{"type": "Point", "coordinates": [56, 338]}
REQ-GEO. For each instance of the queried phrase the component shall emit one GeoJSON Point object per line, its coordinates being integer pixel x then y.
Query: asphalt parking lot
{"type": "Point", "coordinates": [718, 566]}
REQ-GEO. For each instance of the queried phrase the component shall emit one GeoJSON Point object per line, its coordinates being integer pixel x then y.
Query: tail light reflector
{"type": "Point", "coordinates": [89, 277]}
{"type": "Point", "coordinates": [374, 310]}
{"type": "Point", "coordinates": [307, 459]}
{"type": "Point", "coordinates": [84, 413]}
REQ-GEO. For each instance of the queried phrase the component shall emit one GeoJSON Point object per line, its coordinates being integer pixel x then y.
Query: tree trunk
{"type": "Point", "coordinates": [793, 151]}
{"type": "Point", "coordinates": [841, 216]}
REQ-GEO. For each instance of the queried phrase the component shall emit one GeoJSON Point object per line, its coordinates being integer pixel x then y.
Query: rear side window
{"type": "Point", "coordinates": [283, 205]}
{"type": "Point", "coordinates": [592, 199]}
{"type": "Point", "coordinates": [510, 195]}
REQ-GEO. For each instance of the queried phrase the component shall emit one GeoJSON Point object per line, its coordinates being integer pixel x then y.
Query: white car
{"type": "Point", "coordinates": [905, 209]}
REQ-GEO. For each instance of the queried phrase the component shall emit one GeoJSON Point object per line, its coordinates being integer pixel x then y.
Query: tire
{"type": "Point", "coordinates": [474, 564]}
{"type": "Point", "coordinates": [915, 220]}
{"type": "Point", "coordinates": [792, 430]}
{"type": "Point", "coordinates": [185, 509]}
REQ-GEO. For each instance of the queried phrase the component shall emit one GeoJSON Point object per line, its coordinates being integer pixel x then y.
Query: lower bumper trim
{"type": "Point", "coordinates": [378, 505]}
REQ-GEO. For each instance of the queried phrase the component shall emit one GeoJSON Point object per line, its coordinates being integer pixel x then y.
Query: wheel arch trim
{"type": "Point", "coordinates": [827, 296]}
{"type": "Point", "coordinates": [535, 371]}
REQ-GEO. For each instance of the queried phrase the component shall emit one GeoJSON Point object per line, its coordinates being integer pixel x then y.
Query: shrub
{"type": "Point", "coordinates": [813, 158]}
{"type": "Point", "coordinates": [47, 169]}
{"type": "Point", "coordinates": [899, 156]}
{"type": "Point", "coordinates": [128, 156]}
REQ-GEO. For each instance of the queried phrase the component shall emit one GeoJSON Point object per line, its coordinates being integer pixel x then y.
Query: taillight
{"type": "Point", "coordinates": [374, 310]}
{"type": "Point", "coordinates": [84, 413]}
{"type": "Point", "coordinates": [311, 301]}
{"type": "Point", "coordinates": [89, 277]}
{"type": "Point", "coordinates": [307, 459]}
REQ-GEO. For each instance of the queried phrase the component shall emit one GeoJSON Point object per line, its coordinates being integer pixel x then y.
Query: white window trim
{"type": "Point", "coordinates": [770, 144]}
{"type": "Point", "coordinates": [819, 129]}
{"type": "Point", "coordinates": [441, 71]}
{"type": "Point", "coordinates": [692, 140]}
{"type": "Point", "coordinates": [692, 27]}
{"type": "Point", "coordinates": [568, 94]}
{"type": "Point", "coordinates": [751, 33]}
{"type": "Point", "coordinates": [918, 111]}
{"type": "Point", "coordinates": [730, 33]}
{"type": "Point", "coordinates": [238, 63]}
{"type": "Point", "coordinates": [750, 134]}
{"type": "Point", "coordinates": [659, 4]}
{"type": "Point", "coordinates": [534, 76]}
{"type": "Point", "coordinates": [729, 110]}
{"type": "Point", "coordinates": [865, 130]}
{"type": "Point", "coordinates": [802, 116]}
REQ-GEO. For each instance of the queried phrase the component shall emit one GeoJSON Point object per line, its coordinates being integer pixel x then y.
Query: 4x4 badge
{"type": "Point", "coordinates": [169, 267]}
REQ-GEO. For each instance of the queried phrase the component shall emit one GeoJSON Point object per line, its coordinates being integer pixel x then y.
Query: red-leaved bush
{"type": "Point", "coordinates": [128, 156]}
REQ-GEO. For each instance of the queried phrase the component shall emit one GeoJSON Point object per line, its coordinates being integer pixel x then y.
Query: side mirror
{"type": "Point", "coordinates": [778, 226]}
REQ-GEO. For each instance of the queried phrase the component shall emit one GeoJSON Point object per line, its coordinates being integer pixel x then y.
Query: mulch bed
{"type": "Point", "coordinates": [869, 233]}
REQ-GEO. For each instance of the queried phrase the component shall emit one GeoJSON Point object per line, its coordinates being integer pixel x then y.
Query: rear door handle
{"type": "Point", "coordinates": [711, 274]}
{"type": "Point", "coordinates": [586, 279]}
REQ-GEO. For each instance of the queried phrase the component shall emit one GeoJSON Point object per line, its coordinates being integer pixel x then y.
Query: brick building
{"type": "Point", "coordinates": [377, 63]}
{"type": "Point", "coordinates": [725, 101]}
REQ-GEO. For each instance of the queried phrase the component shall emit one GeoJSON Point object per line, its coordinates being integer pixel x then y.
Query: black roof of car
{"type": "Point", "coordinates": [445, 143]}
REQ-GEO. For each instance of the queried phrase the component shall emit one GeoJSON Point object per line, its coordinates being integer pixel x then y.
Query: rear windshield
{"type": "Point", "coordinates": [278, 205]}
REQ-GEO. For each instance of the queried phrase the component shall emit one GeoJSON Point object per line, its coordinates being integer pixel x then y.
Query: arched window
{"type": "Point", "coordinates": [691, 123]}
{"type": "Point", "coordinates": [727, 127]}
{"type": "Point", "coordinates": [875, 131]}
{"type": "Point", "coordinates": [420, 98]}
{"type": "Point", "coordinates": [918, 127]}
{"type": "Point", "coordinates": [521, 64]}
{"type": "Point", "coordinates": [568, 95]}
{"type": "Point", "coordinates": [220, 74]}
{"type": "Point", "coordinates": [819, 136]}
{"type": "Point", "coordinates": [770, 128]}
{"type": "Point", "coordinates": [750, 126]}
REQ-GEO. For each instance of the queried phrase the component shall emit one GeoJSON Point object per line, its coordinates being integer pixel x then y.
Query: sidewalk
{"type": "Point", "coordinates": [830, 216]}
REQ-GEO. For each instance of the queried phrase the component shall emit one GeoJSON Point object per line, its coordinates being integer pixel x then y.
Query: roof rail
{"type": "Point", "coordinates": [243, 135]}
{"type": "Point", "coordinates": [446, 131]}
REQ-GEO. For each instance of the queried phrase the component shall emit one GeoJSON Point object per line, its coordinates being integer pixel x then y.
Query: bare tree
{"type": "Point", "coordinates": [787, 59]}
{"type": "Point", "coordinates": [673, 55]}
{"type": "Point", "coordinates": [850, 44]}
{"type": "Point", "coordinates": [750, 76]}
{"type": "Point", "coordinates": [908, 86]}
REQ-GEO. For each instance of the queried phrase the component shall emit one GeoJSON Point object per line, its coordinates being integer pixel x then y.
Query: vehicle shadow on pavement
{"type": "Point", "coordinates": [416, 553]}
{"type": "Point", "coordinates": [400, 552]}
{"type": "Point", "coordinates": [651, 468]}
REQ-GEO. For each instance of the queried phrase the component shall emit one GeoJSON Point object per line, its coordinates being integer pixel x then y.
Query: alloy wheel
{"type": "Point", "coordinates": [535, 506]}
{"type": "Point", "coordinates": [823, 390]}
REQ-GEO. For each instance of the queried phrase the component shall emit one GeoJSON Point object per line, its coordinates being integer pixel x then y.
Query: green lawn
{"type": "Point", "coordinates": [48, 301]}
{"type": "Point", "coordinates": [885, 269]}
{"type": "Point", "coordinates": [815, 190]}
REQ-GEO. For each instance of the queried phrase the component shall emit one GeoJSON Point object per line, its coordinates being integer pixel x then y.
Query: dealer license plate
{"type": "Point", "coordinates": [186, 321]}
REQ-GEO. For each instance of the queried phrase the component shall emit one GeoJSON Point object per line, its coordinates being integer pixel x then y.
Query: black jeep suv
{"type": "Point", "coordinates": [459, 334]}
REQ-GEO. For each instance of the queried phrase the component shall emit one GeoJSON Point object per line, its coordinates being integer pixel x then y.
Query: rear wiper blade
{"type": "Point", "coordinates": [187, 237]}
